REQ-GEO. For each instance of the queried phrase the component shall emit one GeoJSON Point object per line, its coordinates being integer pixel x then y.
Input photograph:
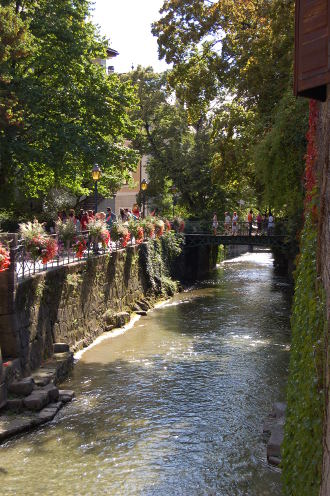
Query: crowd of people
{"type": "Point", "coordinates": [264, 223]}
{"type": "Point", "coordinates": [84, 217]}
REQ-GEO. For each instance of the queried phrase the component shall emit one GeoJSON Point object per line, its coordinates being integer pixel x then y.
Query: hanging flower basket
{"type": "Point", "coordinates": [50, 250]}
{"type": "Point", "coordinates": [159, 228]}
{"type": "Point", "coordinates": [79, 247]}
{"type": "Point", "coordinates": [149, 229]}
{"type": "Point", "coordinates": [38, 246]}
{"type": "Point", "coordinates": [66, 231]}
{"type": "Point", "coordinates": [4, 258]}
{"type": "Point", "coordinates": [120, 233]}
{"type": "Point", "coordinates": [99, 233]}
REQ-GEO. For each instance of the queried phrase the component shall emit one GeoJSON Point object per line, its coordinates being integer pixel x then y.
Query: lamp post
{"type": "Point", "coordinates": [144, 186]}
{"type": "Point", "coordinates": [96, 175]}
{"type": "Point", "coordinates": [174, 193]}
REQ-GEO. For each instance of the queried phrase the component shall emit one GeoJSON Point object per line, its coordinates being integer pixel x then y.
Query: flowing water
{"type": "Point", "coordinates": [175, 405]}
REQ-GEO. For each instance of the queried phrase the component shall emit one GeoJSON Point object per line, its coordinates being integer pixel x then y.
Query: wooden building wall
{"type": "Point", "coordinates": [312, 49]}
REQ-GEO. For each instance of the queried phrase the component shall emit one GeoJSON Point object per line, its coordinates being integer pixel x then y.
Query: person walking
{"type": "Point", "coordinates": [84, 221]}
{"type": "Point", "coordinates": [227, 223]}
{"type": "Point", "coordinates": [110, 218]}
{"type": "Point", "coordinates": [259, 223]}
{"type": "Point", "coordinates": [271, 224]}
{"type": "Point", "coordinates": [215, 223]}
{"type": "Point", "coordinates": [234, 224]}
{"type": "Point", "coordinates": [136, 211]}
{"type": "Point", "coordinates": [250, 222]}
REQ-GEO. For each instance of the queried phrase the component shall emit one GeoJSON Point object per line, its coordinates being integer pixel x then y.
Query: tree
{"type": "Point", "coordinates": [73, 114]}
{"type": "Point", "coordinates": [243, 50]}
{"type": "Point", "coordinates": [202, 153]}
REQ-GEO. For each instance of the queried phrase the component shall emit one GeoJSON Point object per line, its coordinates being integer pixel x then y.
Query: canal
{"type": "Point", "coordinates": [175, 405]}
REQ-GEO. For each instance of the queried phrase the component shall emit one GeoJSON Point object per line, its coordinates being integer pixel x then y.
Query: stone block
{"type": "Point", "coordinates": [36, 400]}
{"type": "Point", "coordinates": [52, 391]}
{"type": "Point", "coordinates": [49, 412]}
{"type": "Point", "coordinates": [3, 395]}
{"type": "Point", "coordinates": [66, 395]}
{"type": "Point", "coordinates": [23, 387]}
{"type": "Point", "coordinates": [275, 442]}
{"type": "Point", "coordinates": [60, 348]}
{"type": "Point", "coordinates": [274, 460]}
{"type": "Point", "coordinates": [43, 377]}
{"type": "Point", "coordinates": [15, 405]}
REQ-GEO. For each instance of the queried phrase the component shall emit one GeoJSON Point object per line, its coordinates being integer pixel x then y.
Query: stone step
{"type": "Point", "coordinates": [37, 400]}
{"type": "Point", "coordinates": [22, 387]}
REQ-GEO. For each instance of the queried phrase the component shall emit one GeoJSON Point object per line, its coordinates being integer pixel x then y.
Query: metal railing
{"type": "Point", "coordinates": [228, 229]}
{"type": "Point", "coordinates": [26, 266]}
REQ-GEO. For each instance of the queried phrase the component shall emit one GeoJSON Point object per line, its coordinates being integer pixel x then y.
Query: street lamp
{"type": "Point", "coordinates": [144, 187]}
{"type": "Point", "coordinates": [96, 175]}
{"type": "Point", "coordinates": [174, 193]}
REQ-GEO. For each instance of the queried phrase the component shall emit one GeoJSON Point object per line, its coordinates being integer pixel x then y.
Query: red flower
{"type": "Point", "coordinates": [50, 250]}
{"type": "Point", "coordinates": [140, 235]}
{"type": "Point", "coordinates": [80, 247]}
{"type": "Point", "coordinates": [4, 258]}
{"type": "Point", "coordinates": [105, 238]}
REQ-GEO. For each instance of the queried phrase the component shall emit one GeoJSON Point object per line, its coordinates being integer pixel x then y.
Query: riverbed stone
{"type": "Point", "coordinates": [36, 400]}
{"type": "Point", "coordinates": [23, 387]}
{"type": "Point", "coordinates": [121, 319]}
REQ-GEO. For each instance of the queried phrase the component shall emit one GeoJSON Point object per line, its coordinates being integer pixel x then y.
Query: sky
{"type": "Point", "coordinates": [127, 23]}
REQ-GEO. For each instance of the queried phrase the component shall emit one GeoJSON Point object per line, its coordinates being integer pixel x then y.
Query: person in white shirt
{"type": "Point", "coordinates": [234, 224]}
{"type": "Point", "coordinates": [271, 224]}
{"type": "Point", "coordinates": [227, 223]}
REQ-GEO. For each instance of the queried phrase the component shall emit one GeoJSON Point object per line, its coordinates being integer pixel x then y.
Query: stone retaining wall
{"type": "Point", "coordinates": [71, 304]}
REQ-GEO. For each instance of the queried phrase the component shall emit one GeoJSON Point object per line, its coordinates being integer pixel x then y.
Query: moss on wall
{"type": "Point", "coordinates": [302, 448]}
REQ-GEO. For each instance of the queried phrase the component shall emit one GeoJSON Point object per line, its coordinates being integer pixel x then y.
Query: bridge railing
{"type": "Point", "coordinates": [240, 229]}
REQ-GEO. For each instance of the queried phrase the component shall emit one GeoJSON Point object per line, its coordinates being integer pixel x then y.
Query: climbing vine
{"type": "Point", "coordinates": [302, 447]}
{"type": "Point", "coordinates": [157, 257]}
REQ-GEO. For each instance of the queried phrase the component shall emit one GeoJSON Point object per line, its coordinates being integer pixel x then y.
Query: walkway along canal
{"type": "Point", "coordinates": [175, 405]}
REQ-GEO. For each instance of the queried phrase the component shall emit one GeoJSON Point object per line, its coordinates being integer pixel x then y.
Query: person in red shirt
{"type": "Point", "coordinates": [84, 220]}
{"type": "Point", "coordinates": [259, 223]}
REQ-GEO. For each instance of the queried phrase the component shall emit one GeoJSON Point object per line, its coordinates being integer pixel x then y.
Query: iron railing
{"type": "Point", "coordinates": [240, 229]}
{"type": "Point", "coordinates": [25, 266]}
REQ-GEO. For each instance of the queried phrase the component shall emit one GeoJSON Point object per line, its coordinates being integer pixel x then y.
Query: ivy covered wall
{"type": "Point", "coordinates": [306, 422]}
{"type": "Point", "coordinates": [302, 449]}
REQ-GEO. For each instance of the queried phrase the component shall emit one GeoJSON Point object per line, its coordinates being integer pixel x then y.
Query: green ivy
{"type": "Point", "coordinates": [157, 258]}
{"type": "Point", "coordinates": [302, 448]}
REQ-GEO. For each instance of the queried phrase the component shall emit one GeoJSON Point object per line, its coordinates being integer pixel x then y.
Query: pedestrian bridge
{"type": "Point", "coordinates": [201, 233]}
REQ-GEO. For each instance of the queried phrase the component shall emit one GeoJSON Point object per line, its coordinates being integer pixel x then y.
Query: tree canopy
{"type": "Point", "coordinates": [234, 60]}
{"type": "Point", "coordinates": [62, 112]}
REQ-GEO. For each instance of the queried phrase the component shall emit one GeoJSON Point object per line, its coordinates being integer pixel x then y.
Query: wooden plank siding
{"type": "Point", "coordinates": [312, 49]}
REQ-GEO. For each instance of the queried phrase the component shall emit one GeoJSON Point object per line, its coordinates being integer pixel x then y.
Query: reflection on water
{"type": "Point", "coordinates": [175, 405]}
